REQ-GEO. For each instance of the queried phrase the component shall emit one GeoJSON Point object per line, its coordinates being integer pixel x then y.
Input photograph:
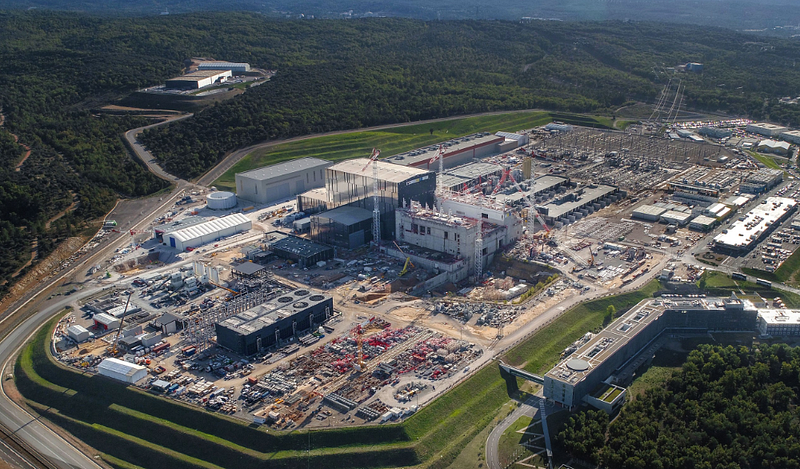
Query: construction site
{"type": "Point", "coordinates": [397, 276]}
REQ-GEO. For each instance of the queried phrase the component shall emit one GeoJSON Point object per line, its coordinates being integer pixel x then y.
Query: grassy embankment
{"type": "Point", "coordinates": [132, 426]}
{"type": "Point", "coordinates": [397, 140]}
{"type": "Point", "coordinates": [786, 273]}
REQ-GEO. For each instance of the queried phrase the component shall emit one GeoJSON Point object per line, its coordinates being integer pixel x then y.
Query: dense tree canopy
{"type": "Point", "coordinates": [727, 408]}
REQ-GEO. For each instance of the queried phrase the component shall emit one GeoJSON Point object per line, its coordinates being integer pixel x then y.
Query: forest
{"type": "Point", "coordinates": [57, 69]}
{"type": "Point", "coordinates": [726, 408]}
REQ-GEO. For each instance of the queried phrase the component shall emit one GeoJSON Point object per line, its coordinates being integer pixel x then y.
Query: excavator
{"type": "Point", "coordinates": [408, 261]}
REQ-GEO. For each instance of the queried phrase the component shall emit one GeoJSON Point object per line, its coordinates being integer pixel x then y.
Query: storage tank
{"type": "Point", "coordinates": [221, 200]}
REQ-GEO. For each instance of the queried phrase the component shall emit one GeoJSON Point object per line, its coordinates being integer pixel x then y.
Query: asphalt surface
{"type": "Point", "coordinates": [529, 408]}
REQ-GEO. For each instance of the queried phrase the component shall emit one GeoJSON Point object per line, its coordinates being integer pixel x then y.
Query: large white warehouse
{"type": "Point", "coordinates": [198, 79]}
{"type": "Point", "coordinates": [235, 67]}
{"type": "Point", "coordinates": [121, 370]}
{"type": "Point", "coordinates": [281, 181]}
{"type": "Point", "coordinates": [203, 233]}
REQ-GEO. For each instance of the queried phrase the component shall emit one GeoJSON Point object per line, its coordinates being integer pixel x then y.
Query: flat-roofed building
{"type": "Point", "coordinates": [601, 360]}
{"type": "Point", "coordinates": [458, 151]}
{"type": "Point", "coordinates": [281, 181]}
{"type": "Point", "coordinates": [744, 233]}
{"type": "Point", "coordinates": [761, 181]}
{"type": "Point", "coordinates": [791, 136]}
{"type": "Point", "coordinates": [570, 206]}
{"type": "Point", "coordinates": [235, 67]}
{"type": "Point", "coordinates": [765, 129]}
{"type": "Point", "coordinates": [779, 322]}
{"type": "Point", "coordinates": [648, 212]}
{"type": "Point", "coordinates": [198, 79]}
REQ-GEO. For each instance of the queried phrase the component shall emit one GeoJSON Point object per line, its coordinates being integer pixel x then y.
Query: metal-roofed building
{"type": "Point", "coordinates": [121, 370]}
{"type": "Point", "coordinates": [791, 136]}
{"type": "Point", "coordinates": [763, 128]}
{"type": "Point", "coordinates": [235, 67]}
{"type": "Point", "coordinates": [207, 232]}
{"type": "Point", "coordinates": [458, 151]}
{"type": "Point", "coordinates": [702, 223]}
{"type": "Point", "coordinates": [774, 146]}
{"type": "Point", "coordinates": [564, 209]}
{"type": "Point", "coordinates": [296, 249]}
{"type": "Point", "coordinates": [198, 79]}
{"type": "Point", "coordinates": [348, 183]}
{"type": "Point", "coordinates": [280, 181]}
{"type": "Point", "coordinates": [755, 225]}
{"type": "Point", "coordinates": [345, 227]}
{"type": "Point", "coordinates": [257, 328]}
{"type": "Point", "coordinates": [762, 180]}
{"type": "Point", "coordinates": [520, 138]}
{"type": "Point", "coordinates": [648, 212]}
{"type": "Point", "coordinates": [604, 358]}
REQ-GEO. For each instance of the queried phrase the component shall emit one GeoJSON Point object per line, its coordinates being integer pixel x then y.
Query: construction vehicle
{"type": "Point", "coordinates": [591, 254]}
{"type": "Point", "coordinates": [231, 291]}
{"type": "Point", "coordinates": [113, 350]}
{"type": "Point", "coordinates": [408, 260]}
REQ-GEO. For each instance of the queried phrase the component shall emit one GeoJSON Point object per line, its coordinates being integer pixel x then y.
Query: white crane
{"type": "Point", "coordinates": [376, 211]}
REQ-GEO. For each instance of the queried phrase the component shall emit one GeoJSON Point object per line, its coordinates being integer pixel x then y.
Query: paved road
{"type": "Point", "coordinates": [529, 407]}
{"type": "Point", "coordinates": [144, 155]}
{"type": "Point", "coordinates": [49, 444]}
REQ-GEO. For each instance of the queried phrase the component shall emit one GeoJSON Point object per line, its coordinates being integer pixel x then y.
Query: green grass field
{"type": "Point", "coordinates": [768, 161]}
{"type": "Point", "coordinates": [396, 140]}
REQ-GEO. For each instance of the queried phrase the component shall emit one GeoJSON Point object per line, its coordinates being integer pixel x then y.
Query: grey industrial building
{"type": "Point", "coordinates": [198, 79]}
{"type": "Point", "coordinates": [345, 227]}
{"type": "Point", "coordinates": [348, 183]}
{"type": "Point", "coordinates": [601, 360]}
{"type": "Point", "coordinates": [579, 203]}
{"type": "Point", "coordinates": [458, 151]}
{"type": "Point", "coordinates": [252, 331]}
{"type": "Point", "coordinates": [281, 181]}
{"type": "Point", "coordinates": [761, 181]}
{"type": "Point", "coordinates": [470, 175]}
{"type": "Point", "coordinates": [303, 251]}
{"type": "Point", "coordinates": [715, 132]}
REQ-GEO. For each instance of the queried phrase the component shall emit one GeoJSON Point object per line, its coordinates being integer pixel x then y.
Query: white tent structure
{"type": "Point", "coordinates": [203, 233]}
{"type": "Point", "coordinates": [121, 370]}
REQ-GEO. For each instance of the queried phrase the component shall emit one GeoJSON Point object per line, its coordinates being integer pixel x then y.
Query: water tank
{"type": "Point", "coordinates": [221, 200]}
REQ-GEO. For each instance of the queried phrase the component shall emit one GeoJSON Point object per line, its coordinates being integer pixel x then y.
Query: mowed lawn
{"type": "Point", "coordinates": [392, 141]}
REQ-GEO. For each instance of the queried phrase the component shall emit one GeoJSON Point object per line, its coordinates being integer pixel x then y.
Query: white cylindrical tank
{"type": "Point", "coordinates": [221, 200]}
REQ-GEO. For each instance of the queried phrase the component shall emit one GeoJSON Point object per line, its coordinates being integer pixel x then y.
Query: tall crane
{"type": "Point", "coordinates": [532, 213]}
{"type": "Point", "coordinates": [376, 211]}
{"type": "Point", "coordinates": [114, 350]}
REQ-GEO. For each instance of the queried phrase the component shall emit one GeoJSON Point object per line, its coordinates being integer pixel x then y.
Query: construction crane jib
{"type": "Point", "coordinates": [376, 211]}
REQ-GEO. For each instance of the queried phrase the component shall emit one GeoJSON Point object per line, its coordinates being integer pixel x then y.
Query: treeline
{"type": "Point", "coordinates": [727, 408]}
{"type": "Point", "coordinates": [344, 74]}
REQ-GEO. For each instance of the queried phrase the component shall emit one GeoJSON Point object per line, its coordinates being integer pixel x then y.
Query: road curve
{"type": "Point", "coordinates": [529, 407]}
{"type": "Point", "coordinates": [41, 438]}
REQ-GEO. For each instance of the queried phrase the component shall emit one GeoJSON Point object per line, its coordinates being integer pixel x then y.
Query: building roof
{"type": "Point", "coordinates": [198, 75]}
{"type": "Point", "coordinates": [287, 168]}
{"type": "Point", "coordinates": [475, 170]}
{"type": "Point", "coordinates": [546, 182]}
{"type": "Point", "coordinates": [318, 193]}
{"type": "Point", "coordinates": [767, 126]}
{"type": "Point", "coordinates": [210, 227]}
{"type": "Point", "coordinates": [590, 193]}
{"type": "Point", "coordinates": [346, 215]}
{"type": "Point", "coordinates": [105, 319]}
{"type": "Point", "coordinates": [703, 220]}
{"type": "Point", "coordinates": [248, 268]}
{"type": "Point", "coordinates": [277, 240]}
{"type": "Point", "coordinates": [779, 316]}
{"type": "Point", "coordinates": [511, 136]}
{"type": "Point", "coordinates": [121, 367]}
{"type": "Point", "coordinates": [651, 210]}
{"type": "Point", "coordinates": [744, 231]}
{"type": "Point", "coordinates": [223, 65]}
{"type": "Point", "coordinates": [77, 329]}
{"type": "Point", "coordinates": [736, 201]}
{"type": "Point", "coordinates": [180, 224]}
{"type": "Point", "coordinates": [774, 144]}
{"type": "Point", "coordinates": [386, 170]}
{"type": "Point", "coordinates": [452, 147]}
{"type": "Point", "coordinates": [168, 318]}
{"type": "Point", "coordinates": [675, 215]}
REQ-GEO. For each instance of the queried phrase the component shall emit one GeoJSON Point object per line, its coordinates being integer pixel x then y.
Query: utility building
{"type": "Point", "coordinates": [348, 183]}
{"type": "Point", "coordinates": [121, 370]}
{"type": "Point", "coordinates": [198, 79]}
{"type": "Point", "coordinates": [458, 151]}
{"type": "Point", "coordinates": [304, 252]}
{"type": "Point", "coordinates": [257, 328]}
{"type": "Point", "coordinates": [345, 227]}
{"type": "Point", "coordinates": [281, 181]}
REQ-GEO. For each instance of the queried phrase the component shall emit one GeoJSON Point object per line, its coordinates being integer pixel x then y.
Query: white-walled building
{"type": "Point", "coordinates": [765, 129]}
{"type": "Point", "coordinates": [121, 370]}
{"type": "Point", "coordinates": [198, 79]}
{"type": "Point", "coordinates": [203, 233]}
{"type": "Point", "coordinates": [235, 67]}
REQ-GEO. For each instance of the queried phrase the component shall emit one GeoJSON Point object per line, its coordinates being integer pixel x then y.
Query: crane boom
{"type": "Point", "coordinates": [121, 322]}
{"type": "Point", "coordinates": [532, 205]}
